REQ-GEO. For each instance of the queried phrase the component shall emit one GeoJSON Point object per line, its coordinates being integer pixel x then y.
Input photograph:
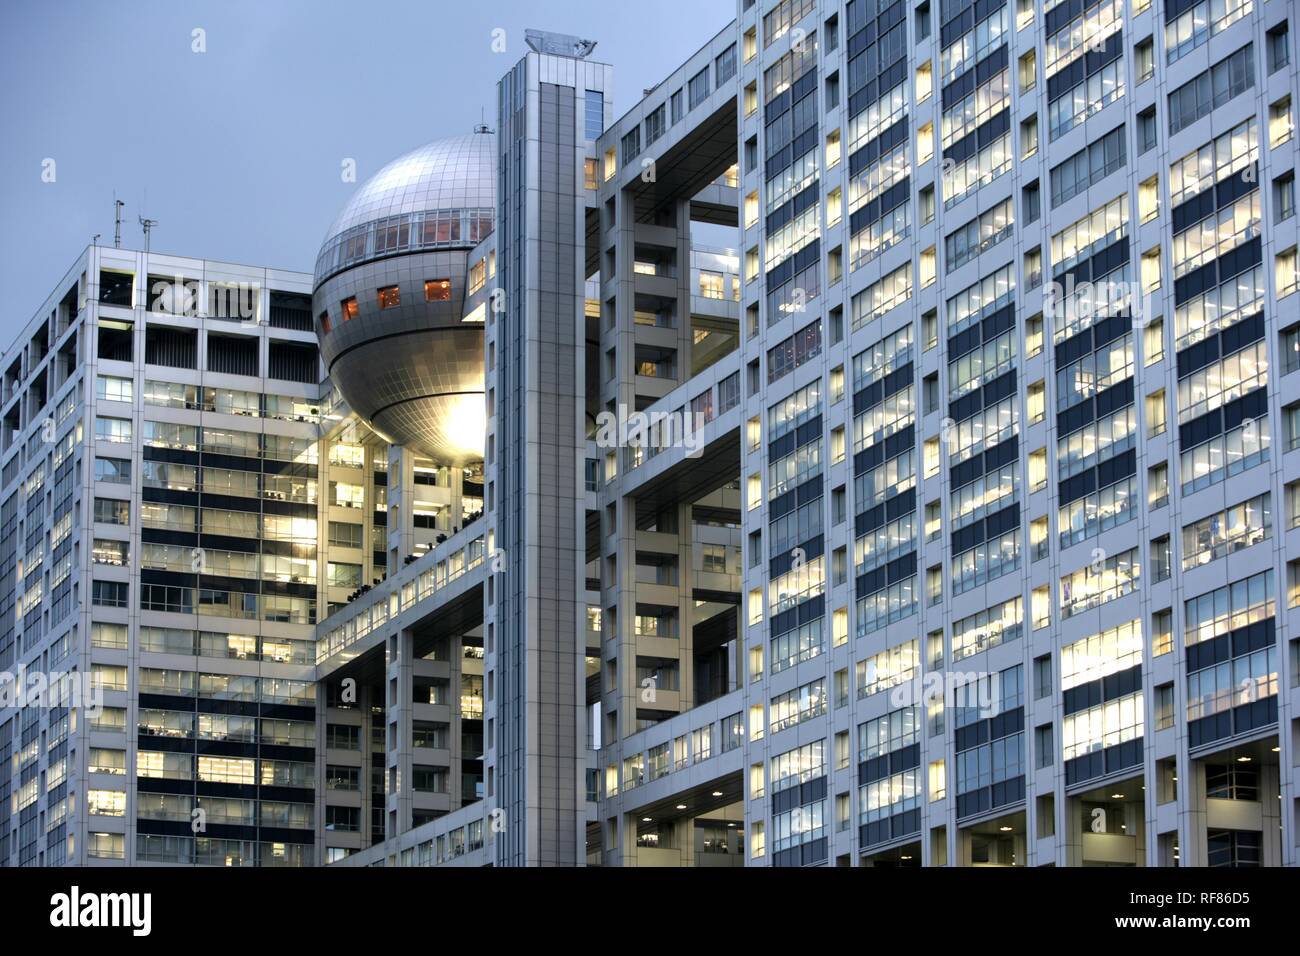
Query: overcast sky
{"type": "Point", "coordinates": [236, 151]}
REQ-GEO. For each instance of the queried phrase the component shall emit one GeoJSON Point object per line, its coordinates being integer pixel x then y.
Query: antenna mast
{"type": "Point", "coordinates": [117, 222]}
{"type": "Point", "coordinates": [146, 225]}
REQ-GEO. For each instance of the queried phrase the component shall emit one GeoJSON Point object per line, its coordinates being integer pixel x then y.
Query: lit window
{"type": "Point", "coordinates": [349, 308]}
{"type": "Point", "coordinates": [435, 290]}
{"type": "Point", "coordinates": [389, 297]}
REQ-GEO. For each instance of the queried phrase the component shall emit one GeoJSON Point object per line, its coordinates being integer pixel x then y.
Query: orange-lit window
{"type": "Point", "coordinates": [349, 308]}
{"type": "Point", "coordinates": [437, 290]}
{"type": "Point", "coordinates": [325, 323]}
{"type": "Point", "coordinates": [389, 297]}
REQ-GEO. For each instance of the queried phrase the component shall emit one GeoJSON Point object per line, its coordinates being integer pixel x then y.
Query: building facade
{"type": "Point", "coordinates": [885, 422]}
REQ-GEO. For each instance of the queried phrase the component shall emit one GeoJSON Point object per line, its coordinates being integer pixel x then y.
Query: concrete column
{"type": "Point", "coordinates": [1192, 816]}
{"type": "Point", "coordinates": [1271, 853]}
{"type": "Point", "coordinates": [401, 518]}
{"type": "Point", "coordinates": [1069, 835]}
{"type": "Point", "coordinates": [685, 606]}
{"type": "Point", "coordinates": [398, 699]}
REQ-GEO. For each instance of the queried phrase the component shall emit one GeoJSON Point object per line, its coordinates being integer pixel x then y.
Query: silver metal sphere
{"type": "Point", "coordinates": [406, 362]}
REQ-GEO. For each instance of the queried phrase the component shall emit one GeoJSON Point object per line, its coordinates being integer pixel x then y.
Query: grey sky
{"type": "Point", "coordinates": [237, 151]}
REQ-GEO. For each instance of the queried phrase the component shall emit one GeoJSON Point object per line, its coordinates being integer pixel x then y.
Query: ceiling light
{"type": "Point", "coordinates": [1117, 796]}
{"type": "Point", "coordinates": [1005, 829]}
{"type": "Point", "coordinates": [1276, 749]}
{"type": "Point", "coordinates": [647, 820]}
{"type": "Point", "coordinates": [681, 806]}
{"type": "Point", "coordinates": [905, 857]}
{"type": "Point", "coordinates": [717, 793]}
{"type": "Point", "coordinates": [1243, 759]}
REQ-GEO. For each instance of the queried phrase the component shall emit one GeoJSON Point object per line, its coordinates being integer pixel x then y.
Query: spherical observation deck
{"type": "Point", "coordinates": [389, 292]}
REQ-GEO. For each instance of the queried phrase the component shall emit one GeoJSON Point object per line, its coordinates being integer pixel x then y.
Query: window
{"type": "Point", "coordinates": [1197, 22]}
{"type": "Point", "coordinates": [1227, 79]}
{"type": "Point", "coordinates": [107, 551]}
{"type": "Point", "coordinates": [1279, 45]}
{"type": "Point", "coordinates": [698, 88]}
{"type": "Point", "coordinates": [1284, 196]}
{"type": "Point", "coordinates": [1226, 455]}
{"type": "Point", "coordinates": [1029, 138]}
{"type": "Point", "coordinates": [978, 236]}
{"type": "Point", "coordinates": [113, 389]}
{"type": "Point", "coordinates": [1028, 71]}
{"type": "Point", "coordinates": [1146, 133]}
{"type": "Point", "coordinates": [1087, 167]}
{"type": "Point", "coordinates": [594, 113]}
{"type": "Point", "coordinates": [1099, 583]}
{"type": "Point", "coordinates": [1030, 201]}
{"type": "Point", "coordinates": [724, 67]}
{"type": "Point", "coordinates": [1157, 486]}
{"type": "Point", "coordinates": [989, 628]}
{"type": "Point", "coordinates": [1153, 342]}
{"type": "Point", "coordinates": [1280, 122]}
{"type": "Point", "coordinates": [1148, 199]}
{"type": "Point", "coordinates": [1287, 274]}
{"type": "Point", "coordinates": [1086, 98]}
{"type": "Point", "coordinates": [1226, 532]}
{"type": "Point", "coordinates": [112, 511]}
{"type": "Point", "coordinates": [437, 290]}
{"type": "Point", "coordinates": [1228, 608]}
{"type": "Point", "coordinates": [631, 145]}
{"type": "Point", "coordinates": [1290, 348]}
{"type": "Point", "coordinates": [1155, 413]}
{"type": "Point", "coordinates": [654, 124]}
{"type": "Point", "coordinates": [349, 307]}
{"type": "Point", "coordinates": [116, 430]}
{"type": "Point", "coordinates": [113, 470]}
{"type": "Point", "coordinates": [1145, 62]}
{"type": "Point", "coordinates": [109, 593]}
{"type": "Point", "coordinates": [924, 81]}
{"type": "Point", "coordinates": [106, 846]}
{"type": "Point", "coordinates": [1043, 751]}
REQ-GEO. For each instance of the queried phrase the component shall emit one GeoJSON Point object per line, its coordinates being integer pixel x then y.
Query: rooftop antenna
{"type": "Point", "coordinates": [94, 240]}
{"type": "Point", "coordinates": [117, 222]}
{"type": "Point", "coordinates": [146, 225]}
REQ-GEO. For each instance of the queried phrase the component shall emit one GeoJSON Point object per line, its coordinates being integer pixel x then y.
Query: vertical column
{"type": "Point", "coordinates": [401, 519]}
{"type": "Point", "coordinates": [541, 393]}
{"type": "Point", "coordinates": [1192, 816]}
{"type": "Point", "coordinates": [685, 607]}
{"type": "Point", "coordinates": [399, 691]}
{"type": "Point", "coordinates": [1272, 852]}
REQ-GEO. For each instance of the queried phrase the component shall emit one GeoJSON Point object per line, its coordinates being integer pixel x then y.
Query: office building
{"type": "Point", "coordinates": [883, 425]}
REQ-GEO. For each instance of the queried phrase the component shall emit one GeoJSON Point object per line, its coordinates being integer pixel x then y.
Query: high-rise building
{"type": "Point", "coordinates": [183, 502]}
{"type": "Point", "coordinates": [837, 497]}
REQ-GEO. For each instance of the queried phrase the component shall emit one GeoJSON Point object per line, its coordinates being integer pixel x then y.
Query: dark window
{"type": "Point", "coordinates": [724, 68]}
{"type": "Point", "coordinates": [1227, 79]}
{"type": "Point", "coordinates": [109, 593]}
{"type": "Point", "coordinates": [1233, 848]}
{"type": "Point", "coordinates": [698, 88]}
{"type": "Point", "coordinates": [631, 145]}
{"type": "Point", "coordinates": [1279, 47]}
